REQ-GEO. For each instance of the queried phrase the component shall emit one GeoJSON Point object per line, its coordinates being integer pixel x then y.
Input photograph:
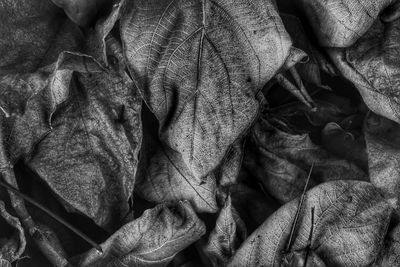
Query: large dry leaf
{"type": "Point", "coordinates": [351, 220]}
{"type": "Point", "coordinates": [28, 102]}
{"type": "Point", "coordinates": [89, 158]}
{"type": "Point", "coordinates": [167, 179]}
{"type": "Point", "coordinates": [227, 236]}
{"type": "Point", "coordinates": [383, 147]}
{"type": "Point", "coordinates": [281, 161]}
{"type": "Point", "coordinates": [199, 65]}
{"type": "Point", "coordinates": [339, 23]}
{"type": "Point", "coordinates": [32, 34]}
{"type": "Point", "coordinates": [372, 64]}
{"type": "Point", "coordinates": [151, 240]}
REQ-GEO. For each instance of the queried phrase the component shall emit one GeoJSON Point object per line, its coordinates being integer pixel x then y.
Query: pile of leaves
{"type": "Point", "coordinates": [199, 133]}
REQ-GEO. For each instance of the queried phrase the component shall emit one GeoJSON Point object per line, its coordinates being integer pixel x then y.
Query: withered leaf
{"type": "Point", "coordinates": [32, 34]}
{"type": "Point", "coordinates": [372, 64]}
{"type": "Point", "coordinates": [280, 161]}
{"type": "Point", "coordinates": [167, 179]}
{"type": "Point", "coordinates": [339, 23]}
{"type": "Point", "coordinates": [351, 220]}
{"type": "Point", "coordinates": [151, 240]}
{"type": "Point", "coordinates": [89, 159]}
{"type": "Point", "coordinates": [383, 147]}
{"type": "Point", "coordinates": [227, 236]}
{"type": "Point", "coordinates": [199, 65]}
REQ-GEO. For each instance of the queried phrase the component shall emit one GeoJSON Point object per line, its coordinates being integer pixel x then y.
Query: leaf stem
{"type": "Point", "coordinates": [51, 214]}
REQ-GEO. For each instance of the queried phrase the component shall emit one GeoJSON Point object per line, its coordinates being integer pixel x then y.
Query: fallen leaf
{"type": "Point", "coordinates": [372, 65]}
{"type": "Point", "coordinates": [168, 180]}
{"type": "Point", "coordinates": [382, 137]}
{"type": "Point", "coordinates": [33, 34]}
{"type": "Point", "coordinates": [199, 65]}
{"type": "Point", "coordinates": [151, 240]}
{"type": "Point", "coordinates": [339, 23]}
{"type": "Point", "coordinates": [281, 161]}
{"type": "Point", "coordinates": [89, 158]}
{"type": "Point", "coordinates": [227, 236]}
{"type": "Point", "coordinates": [351, 220]}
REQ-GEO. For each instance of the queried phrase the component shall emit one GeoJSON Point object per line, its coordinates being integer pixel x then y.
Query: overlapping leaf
{"type": "Point", "coordinates": [89, 158]}
{"type": "Point", "coordinates": [351, 219]}
{"type": "Point", "coordinates": [227, 236]}
{"type": "Point", "coordinates": [372, 64]}
{"type": "Point", "coordinates": [167, 179]}
{"type": "Point", "coordinates": [383, 147]}
{"type": "Point", "coordinates": [199, 65]}
{"type": "Point", "coordinates": [282, 160]}
{"type": "Point", "coordinates": [32, 34]}
{"type": "Point", "coordinates": [151, 240]}
{"type": "Point", "coordinates": [339, 23]}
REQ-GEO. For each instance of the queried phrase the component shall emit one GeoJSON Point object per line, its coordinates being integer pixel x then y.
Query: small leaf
{"type": "Point", "coordinates": [151, 240]}
{"type": "Point", "coordinates": [228, 234]}
{"type": "Point", "coordinates": [351, 220]}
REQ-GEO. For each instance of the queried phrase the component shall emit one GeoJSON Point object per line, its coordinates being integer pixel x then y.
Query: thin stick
{"type": "Point", "coordinates": [51, 214]}
{"type": "Point", "coordinates": [296, 218]}
{"type": "Point", "coordinates": [310, 237]}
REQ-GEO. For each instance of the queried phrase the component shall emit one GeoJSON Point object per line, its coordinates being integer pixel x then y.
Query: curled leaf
{"type": "Point", "coordinates": [351, 220]}
{"type": "Point", "coordinates": [227, 236]}
{"type": "Point", "coordinates": [339, 23]}
{"type": "Point", "coordinates": [151, 240]}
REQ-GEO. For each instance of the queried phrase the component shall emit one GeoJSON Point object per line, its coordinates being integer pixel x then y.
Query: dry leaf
{"type": "Point", "coordinates": [151, 240]}
{"type": "Point", "coordinates": [351, 219]}
{"type": "Point", "coordinates": [199, 65]}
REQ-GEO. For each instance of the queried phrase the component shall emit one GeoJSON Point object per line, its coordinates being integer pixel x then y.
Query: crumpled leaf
{"type": "Point", "coordinates": [227, 236]}
{"type": "Point", "coordinates": [228, 172]}
{"type": "Point", "coordinates": [89, 158]}
{"type": "Point", "coordinates": [33, 33]}
{"type": "Point", "coordinates": [383, 147]}
{"type": "Point", "coordinates": [199, 65]}
{"type": "Point", "coordinates": [13, 248]}
{"type": "Point", "coordinates": [151, 240]}
{"type": "Point", "coordinates": [281, 161]}
{"type": "Point", "coordinates": [372, 64]}
{"type": "Point", "coordinates": [167, 179]}
{"type": "Point", "coordinates": [351, 220]}
{"type": "Point", "coordinates": [339, 23]}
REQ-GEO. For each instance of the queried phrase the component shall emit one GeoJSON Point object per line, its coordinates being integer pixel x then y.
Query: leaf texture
{"type": "Point", "coordinates": [339, 23]}
{"type": "Point", "coordinates": [199, 65]}
{"type": "Point", "coordinates": [169, 180]}
{"type": "Point", "coordinates": [383, 147]}
{"type": "Point", "coordinates": [372, 65]}
{"type": "Point", "coordinates": [228, 234]}
{"type": "Point", "coordinates": [151, 240]}
{"type": "Point", "coordinates": [351, 220]}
